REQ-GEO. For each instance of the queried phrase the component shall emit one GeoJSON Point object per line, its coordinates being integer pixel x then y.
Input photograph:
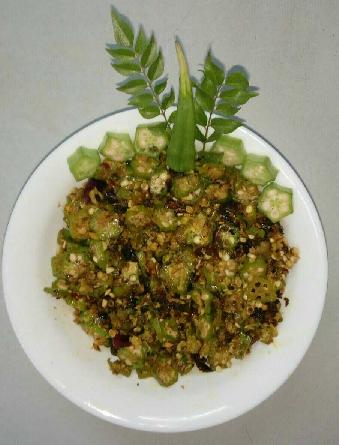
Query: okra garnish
{"type": "Point", "coordinates": [181, 149]}
{"type": "Point", "coordinates": [276, 202]}
{"type": "Point", "coordinates": [83, 163]}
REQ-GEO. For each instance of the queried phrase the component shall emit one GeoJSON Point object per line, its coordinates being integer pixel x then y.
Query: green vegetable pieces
{"type": "Point", "coordinates": [83, 163]}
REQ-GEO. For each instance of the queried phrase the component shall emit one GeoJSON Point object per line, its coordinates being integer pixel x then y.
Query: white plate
{"type": "Point", "coordinates": [62, 352]}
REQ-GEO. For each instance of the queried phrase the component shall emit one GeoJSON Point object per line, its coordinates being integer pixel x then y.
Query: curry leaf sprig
{"type": "Point", "coordinates": [218, 97]}
{"type": "Point", "coordinates": [141, 61]}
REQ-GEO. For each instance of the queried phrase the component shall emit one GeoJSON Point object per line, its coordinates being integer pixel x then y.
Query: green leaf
{"type": "Point", "coordinates": [212, 69]}
{"type": "Point", "coordinates": [238, 97]}
{"type": "Point", "coordinates": [199, 136]}
{"type": "Point", "coordinates": [204, 99]}
{"type": "Point", "coordinates": [227, 108]}
{"type": "Point", "coordinates": [133, 86]}
{"type": "Point", "coordinates": [150, 53]}
{"type": "Point", "coordinates": [209, 86]}
{"type": "Point", "coordinates": [200, 115]}
{"type": "Point", "coordinates": [141, 41]}
{"type": "Point", "coordinates": [237, 79]}
{"type": "Point", "coordinates": [123, 31]}
{"type": "Point", "coordinates": [126, 68]}
{"type": "Point", "coordinates": [213, 137]}
{"type": "Point", "coordinates": [157, 67]}
{"type": "Point", "coordinates": [172, 117]}
{"type": "Point", "coordinates": [160, 86]}
{"type": "Point", "coordinates": [222, 125]}
{"type": "Point", "coordinates": [121, 53]}
{"type": "Point", "coordinates": [168, 99]}
{"type": "Point", "coordinates": [150, 111]}
{"type": "Point", "coordinates": [141, 100]}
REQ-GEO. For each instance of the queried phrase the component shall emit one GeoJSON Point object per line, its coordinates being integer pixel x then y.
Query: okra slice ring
{"type": "Point", "coordinates": [231, 148]}
{"type": "Point", "coordinates": [276, 202]}
{"type": "Point", "coordinates": [117, 146]}
{"type": "Point", "coordinates": [258, 169]}
{"type": "Point", "coordinates": [151, 139]}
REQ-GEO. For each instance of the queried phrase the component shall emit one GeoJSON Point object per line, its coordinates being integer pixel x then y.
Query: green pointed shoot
{"type": "Point", "coordinates": [181, 149]}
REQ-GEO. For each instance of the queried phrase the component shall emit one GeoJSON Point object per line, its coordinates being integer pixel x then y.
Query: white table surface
{"type": "Point", "coordinates": [55, 76]}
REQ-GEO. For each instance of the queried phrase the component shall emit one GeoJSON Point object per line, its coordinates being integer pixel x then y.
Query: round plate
{"type": "Point", "coordinates": [62, 352]}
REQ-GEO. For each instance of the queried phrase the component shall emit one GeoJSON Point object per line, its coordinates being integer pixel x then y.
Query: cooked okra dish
{"type": "Point", "coordinates": [172, 254]}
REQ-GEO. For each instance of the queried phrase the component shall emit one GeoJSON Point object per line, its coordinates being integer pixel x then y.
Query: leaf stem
{"type": "Point", "coordinates": [210, 115]}
{"type": "Point", "coordinates": [155, 96]}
